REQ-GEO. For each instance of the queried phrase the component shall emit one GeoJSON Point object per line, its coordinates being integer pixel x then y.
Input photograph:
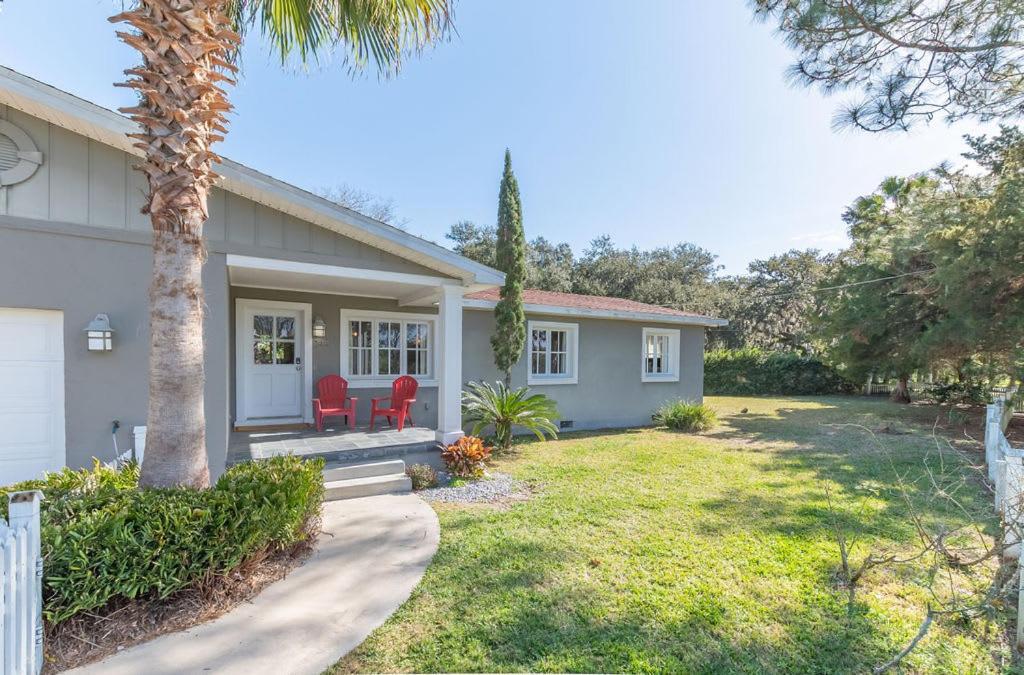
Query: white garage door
{"type": "Point", "coordinates": [31, 393]}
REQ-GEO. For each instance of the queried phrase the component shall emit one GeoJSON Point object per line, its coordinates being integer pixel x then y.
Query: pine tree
{"type": "Point", "coordinates": [510, 320]}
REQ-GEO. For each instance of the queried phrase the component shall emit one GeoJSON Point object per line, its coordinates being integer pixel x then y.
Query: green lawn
{"type": "Point", "coordinates": [651, 551]}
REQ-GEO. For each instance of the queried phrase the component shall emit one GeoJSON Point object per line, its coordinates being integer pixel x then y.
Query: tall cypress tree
{"type": "Point", "coordinates": [510, 257]}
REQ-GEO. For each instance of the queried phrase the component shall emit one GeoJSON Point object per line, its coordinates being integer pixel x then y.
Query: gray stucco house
{"type": "Point", "coordinates": [282, 262]}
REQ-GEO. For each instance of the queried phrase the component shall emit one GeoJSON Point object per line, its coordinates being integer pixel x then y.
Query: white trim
{"type": "Point", "coordinates": [241, 354]}
{"type": "Point", "coordinates": [88, 119]}
{"type": "Point", "coordinates": [573, 331]}
{"type": "Point", "coordinates": [293, 289]}
{"type": "Point", "coordinates": [361, 273]}
{"type": "Point", "coordinates": [554, 310]}
{"type": "Point", "coordinates": [673, 355]}
{"type": "Point", "coordinates": [384, 381]}
{"type": "Point", "coordinates": [449, 390]}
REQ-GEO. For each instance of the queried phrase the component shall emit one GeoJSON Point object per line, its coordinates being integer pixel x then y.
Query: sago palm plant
{"type": "Point", "coordinates": [189, 51]}
{"type": "Point", "coordinates": [504, 408]}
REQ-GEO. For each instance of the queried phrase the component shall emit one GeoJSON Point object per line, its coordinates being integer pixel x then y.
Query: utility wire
{"type": "Point", "coordinates": [850, 285]}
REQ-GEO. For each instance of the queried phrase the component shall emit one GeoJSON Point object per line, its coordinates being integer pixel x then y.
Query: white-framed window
{"type": "Point", "coordinates": [377, 347]}
{"type": "Point", "coordinates": [552, 352]}
{"type": "Point", "coordinates": [660, 355]}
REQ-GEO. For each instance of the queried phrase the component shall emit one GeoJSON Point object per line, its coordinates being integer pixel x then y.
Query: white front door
{"type": "Point", "coordinates": [31, 393]}
{"type": "Point", "coordinates": [273, 362]}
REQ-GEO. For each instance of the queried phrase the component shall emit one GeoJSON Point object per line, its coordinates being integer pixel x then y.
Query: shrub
{"type": "Point", "coordinates": [104, 539]}
{"type": "Point", "coordinates": [422, 476]}
{"type": "Point", "coordinates": [969, 393]}
{"type": "Point", "coordinates": [745, 372]}
{"type": "Point", "coordinates": [686, 416]}
{"type": "Point", "coordinates": [504, 409]}
{"type": "Point", "coordinates": [467, 457]}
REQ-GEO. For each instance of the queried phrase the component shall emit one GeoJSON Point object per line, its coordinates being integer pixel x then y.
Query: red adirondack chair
{"type": "Point", "coordinates": [333, 401]}
{"type": "Point", "coordinates": [403, 394]}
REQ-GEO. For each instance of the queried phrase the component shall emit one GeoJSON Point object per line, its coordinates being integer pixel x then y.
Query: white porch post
{"type": "Point", "coordinates": [449, 390]}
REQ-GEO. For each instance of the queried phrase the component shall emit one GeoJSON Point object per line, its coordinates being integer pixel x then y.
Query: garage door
{"type": "Point", "coordinates": [31, 393]}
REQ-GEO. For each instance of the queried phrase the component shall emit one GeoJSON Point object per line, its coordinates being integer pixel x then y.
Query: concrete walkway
{"type": "Point", "coordinates": [305, 622]}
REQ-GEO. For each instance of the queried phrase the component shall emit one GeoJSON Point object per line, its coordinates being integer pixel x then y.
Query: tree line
{"type": "Point", "coordinates": [932, 281]}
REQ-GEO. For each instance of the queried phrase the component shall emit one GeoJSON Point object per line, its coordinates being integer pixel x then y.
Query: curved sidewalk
{"type": "Point", "coordinates": [372, 553]}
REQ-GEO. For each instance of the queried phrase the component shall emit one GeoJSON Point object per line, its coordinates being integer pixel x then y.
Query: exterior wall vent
{"type": "Point", "coordinates": [565, 424]}
{"type": "Point", "coordinates": [19, 157]}
{"type": "Point", "coordinates": [8, 153]}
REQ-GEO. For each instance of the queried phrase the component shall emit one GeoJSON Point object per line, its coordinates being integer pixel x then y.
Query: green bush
{"type": "Point", "coordinates": [968, 393]}
{"type": "Point", "coordinates": [103, 539]}
{"type": "Point", "coordinates": [506, 410]}
{"type": "Point", "coordinates": [746, 372]}
{"type": "Point", "coordinates": [422, 476]}
{"type": "Point", "coordinates": [686, 416]}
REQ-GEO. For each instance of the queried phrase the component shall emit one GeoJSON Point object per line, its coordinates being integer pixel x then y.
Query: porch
{"type": "Point", "coordinates": [295, 322]}
{"type": "Point", "coordinates": [336, 444]}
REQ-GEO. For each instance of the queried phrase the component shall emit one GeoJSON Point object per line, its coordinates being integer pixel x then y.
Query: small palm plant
{"type": "Point", "coordinates": [504, 408]}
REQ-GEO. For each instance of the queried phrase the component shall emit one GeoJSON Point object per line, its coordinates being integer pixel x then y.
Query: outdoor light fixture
{"type": "Point", "coordinates": [99, 335]}
{"type": "Point", "coordinates": [319, 329]}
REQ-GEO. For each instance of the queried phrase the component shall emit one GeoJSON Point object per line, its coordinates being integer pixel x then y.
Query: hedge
{"type": "Point", "coordinates": [104, 539]}
{"type": "Point", "coordinates": [745, 372]}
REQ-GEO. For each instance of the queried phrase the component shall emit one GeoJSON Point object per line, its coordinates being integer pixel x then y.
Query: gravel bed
{"type": "Point", "coordinates": [495, 487]}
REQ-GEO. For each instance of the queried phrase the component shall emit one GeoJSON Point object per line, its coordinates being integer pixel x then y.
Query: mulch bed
{"type": "Point", "coordinates": [92, 636]}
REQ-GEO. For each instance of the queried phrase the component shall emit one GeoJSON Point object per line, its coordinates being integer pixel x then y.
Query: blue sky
{"type": "Point", "coordinates": [655, 122]}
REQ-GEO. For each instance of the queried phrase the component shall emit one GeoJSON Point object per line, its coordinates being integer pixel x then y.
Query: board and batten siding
{"type": "Point", "coordinates": [84, 182]}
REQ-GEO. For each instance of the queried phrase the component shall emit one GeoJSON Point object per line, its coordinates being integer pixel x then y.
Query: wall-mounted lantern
{"type": "Point", "coordinates": [99, 335]}
{"type": "Point", "coordinates": [319, 330]}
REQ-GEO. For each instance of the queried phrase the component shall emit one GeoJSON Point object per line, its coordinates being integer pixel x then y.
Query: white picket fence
{"type": "Point", "coordinates": [21, 586]}
{"type": "Point", "coordinates": [1005, 465]}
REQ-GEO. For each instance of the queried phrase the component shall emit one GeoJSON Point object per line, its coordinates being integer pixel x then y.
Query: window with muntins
{"type": "Point", "coordinates": [552, 353]}
{"type": "Point", "coordinates": [660, 355]}
{"type": "Point", "coordinates": [386, 347]}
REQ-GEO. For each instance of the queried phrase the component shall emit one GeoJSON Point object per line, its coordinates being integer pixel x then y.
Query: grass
{"type": "Point", "coordinates": [655, 551]}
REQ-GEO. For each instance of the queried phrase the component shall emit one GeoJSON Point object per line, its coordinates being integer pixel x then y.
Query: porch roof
{"type": "Point", "coordinates": [290, 275]}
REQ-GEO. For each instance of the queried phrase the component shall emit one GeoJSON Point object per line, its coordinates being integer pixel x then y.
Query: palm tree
{"type": "Point", "coordinates": [189, 49]}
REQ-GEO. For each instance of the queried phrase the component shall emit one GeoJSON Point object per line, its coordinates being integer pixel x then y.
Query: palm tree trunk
{"type": "Point", "coordinates": [176, 423]}
{"type": "Point", "coordinates": [185, 47]}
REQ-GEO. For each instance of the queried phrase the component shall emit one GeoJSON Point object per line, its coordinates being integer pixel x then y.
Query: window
{"type": "Point", "coordinates": [379, 347]}
{"type": "Point", "coordinates": [553, 349]}
{"type": "Point", "coordinates": [660, 355]}
{"type": "Point", "coordinates": [273, 340]}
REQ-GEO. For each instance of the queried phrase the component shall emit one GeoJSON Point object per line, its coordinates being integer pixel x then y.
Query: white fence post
{"type": "Point", "coordinates": [991, 439]}
{"type": "Point", "coordinates": [140, 443]}
{"type": "Point", "coordinates": [21, 593]}
{"type": "Point", "coordinates": [1006, 470]}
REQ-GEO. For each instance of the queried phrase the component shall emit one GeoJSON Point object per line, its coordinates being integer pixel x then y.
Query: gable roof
{"type": "Point", "coordinates": [110, 128]}
{"type": "Point", "coordinates": [574, 304]}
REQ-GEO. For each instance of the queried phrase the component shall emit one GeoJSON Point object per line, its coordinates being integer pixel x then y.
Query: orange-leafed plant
{"type": "Point", "coordinates": [467, 458]}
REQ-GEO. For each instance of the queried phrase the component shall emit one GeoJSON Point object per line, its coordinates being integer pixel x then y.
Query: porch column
{"type": "Point", "coordinates": [449, 390]}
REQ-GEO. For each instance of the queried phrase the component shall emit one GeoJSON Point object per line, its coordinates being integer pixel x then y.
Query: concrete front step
{"type": "Point", "coordinates": [364, 470]}
{"type": "Point", "coordinates": [368, 486]}
{"type": "Point", "coordinates": [379, 453]}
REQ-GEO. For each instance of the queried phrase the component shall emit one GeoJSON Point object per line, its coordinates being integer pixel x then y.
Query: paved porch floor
{"type": "Point", "coordinates": [334, 442]}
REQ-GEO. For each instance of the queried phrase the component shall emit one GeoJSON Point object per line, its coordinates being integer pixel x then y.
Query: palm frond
{"type": "Point", "coordinates": [505, 409]}
{"type": "Point", "coordinates": [369, 32]}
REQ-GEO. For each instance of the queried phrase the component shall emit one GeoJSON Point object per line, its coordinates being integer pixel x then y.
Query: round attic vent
{"type": "Point", "coordinates": [8, 153]}
{"type": "Point", "coordinates": [19, 157]}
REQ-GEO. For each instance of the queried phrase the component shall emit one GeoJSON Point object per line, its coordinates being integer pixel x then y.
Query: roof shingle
{"type": "Point", "coordinates": [577, 301]}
